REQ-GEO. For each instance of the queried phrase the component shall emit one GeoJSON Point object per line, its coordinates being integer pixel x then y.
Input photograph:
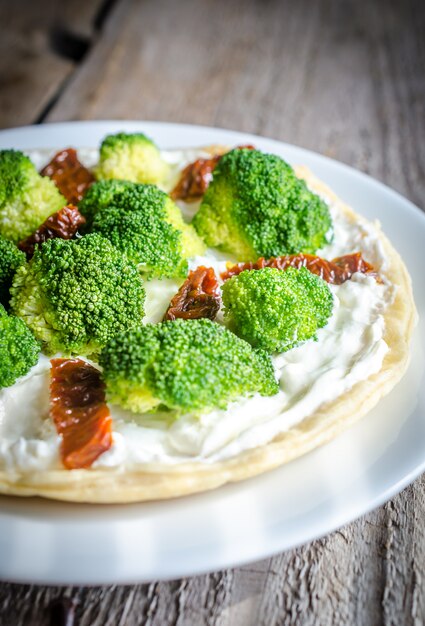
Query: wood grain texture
{"type": "Point", "coordinates": [342, 77]}
{"type": "Point", "coordinates": [32, 69]}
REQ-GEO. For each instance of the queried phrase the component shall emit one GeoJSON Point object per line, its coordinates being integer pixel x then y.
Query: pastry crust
{"type": "Point", "coordinates": [153, 482]}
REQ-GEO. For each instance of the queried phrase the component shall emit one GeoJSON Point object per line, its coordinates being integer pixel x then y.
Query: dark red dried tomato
{"type": "Point", "coordinates": [69, 175]}
{"type": "Point", "coordinates": [337, 271]}
{"type": "Point", "coordinates": [79, 411]}
{"type": "Point", "coordinates": [197, 298]}
{"type": "Point", "coordinates": [196, 177]}
{"type": "Point", "coordinates": [349, 264]}
{"type": "Point", "coordinates": [63, 224]}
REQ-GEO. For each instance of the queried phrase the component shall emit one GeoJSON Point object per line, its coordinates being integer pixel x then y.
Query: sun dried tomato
{"type": "Point", "coordinates": [69, 175]}
{"type": "Point", "coordinates": [63, 224]}
{"type": "Point", "coordinates": [349, 264]}
{"type": "Point", "coordinates": [337, 271]}
{"type": "Point", "coordinates": [197, 298]}
{"type": "Point", "coordinates": [196, 177]}
{"type": "Point", "coordinates": [79, 411]}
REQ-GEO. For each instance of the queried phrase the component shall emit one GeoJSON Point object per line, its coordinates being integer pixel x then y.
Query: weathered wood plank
{"type": "Point", "coordinates": [344, 78]}
{"type": "Point", "coordinates": [31, 70]}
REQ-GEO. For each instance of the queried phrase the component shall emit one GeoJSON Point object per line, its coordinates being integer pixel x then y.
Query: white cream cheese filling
{"type": "Point", "coordinates": [350, 348]}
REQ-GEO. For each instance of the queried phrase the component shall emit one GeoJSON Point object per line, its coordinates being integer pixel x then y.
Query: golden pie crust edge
{"type": "Point", "coordinates": [153, 482]}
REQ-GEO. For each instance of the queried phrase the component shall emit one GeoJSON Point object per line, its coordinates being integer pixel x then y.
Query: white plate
{"type": "Point", "coordinates": [56, 543]}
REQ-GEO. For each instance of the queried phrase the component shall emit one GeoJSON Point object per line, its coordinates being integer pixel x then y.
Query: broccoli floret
{"type": "Point", "coordinates": [186, 365]}
{"type": "Point", "coordinates": [276, 309]}
{"type": "Point", "coordinates": [10, 259]}
{"type": "Point", "coordinates": [101, 195]}
{"type": "Point", "coordinates": [256, 206]}
{"type": "Point", "coordinates": [76, 294]}
{"type": "Point", "coordinates": [145, 224]}
{"type": "Point", "coordinates": [191, 242]}
{"type": "Point", "coordinates": [26, 198]}
{"type": "Point", "coordinates": [131, 157]}
{"type": "Point", "coordinates": [19, 349]}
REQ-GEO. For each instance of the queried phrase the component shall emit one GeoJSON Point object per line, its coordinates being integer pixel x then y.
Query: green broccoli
{"type": "Point", "coordinates": [276, 309]}
{"type": "Point", "coordinates": [145, 224]}
{"type": "Point", "coordinates": [19, 349]}
{"type": "Point", "coordinates": [26, 198]}
{"type": "Point", "coordinates": [131, 157]}
{"type": "Point", "coordinates": [76, 294]}
{"type": "Point", "coordinates": [185, 365]}
{"type": "Point", "coordinates": [256, 206]}
{"type": "Point", "coordinates": [10, 259]}
{"type": "Point", "coordinates": [101, 195]}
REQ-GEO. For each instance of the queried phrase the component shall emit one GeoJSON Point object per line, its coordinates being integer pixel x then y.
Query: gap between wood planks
{"type": "Point", "coordinates": [41, 45]}
{"type": "Point", "coordinates": [74, 46]}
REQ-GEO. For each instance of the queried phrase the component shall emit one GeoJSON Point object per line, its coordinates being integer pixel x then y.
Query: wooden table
{"type": "Point", "coordinates": [342, 77]}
